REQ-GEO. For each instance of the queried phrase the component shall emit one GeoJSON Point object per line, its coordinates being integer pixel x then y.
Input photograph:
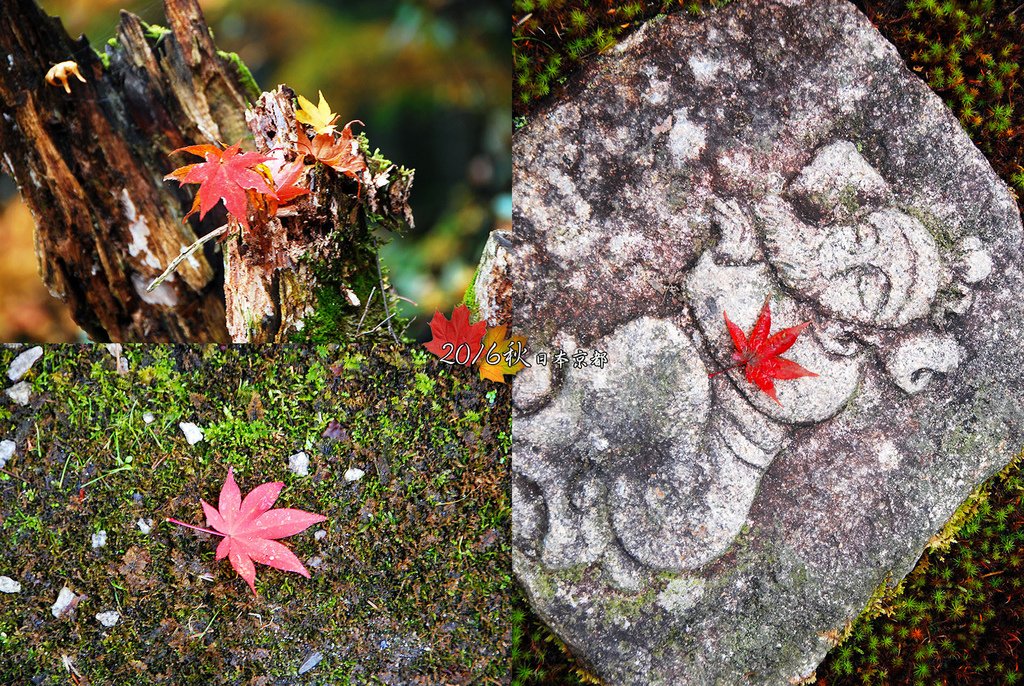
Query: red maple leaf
{"type": "Point", "coordinates": [286, 176]}
{"type": "Point", "coordinates": [224, 176]}
{"type": "Point", "coordinates": [249, 527]}
{"type": "Point", "coordinates": [456, 341]}
{"type": "Point", "coordinates": [759, 354]}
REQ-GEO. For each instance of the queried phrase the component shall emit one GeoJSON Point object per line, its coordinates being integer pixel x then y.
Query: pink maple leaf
{"type": "Point", "coordinates": [249, 527]}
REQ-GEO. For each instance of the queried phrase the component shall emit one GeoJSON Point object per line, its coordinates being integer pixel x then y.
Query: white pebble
{"type": "Point", "coordinates": [99, 539]}
{"type": "Point", "coordinates": [20, 392]}
{"type": "Point", "coordinates": [6, 452]}
{"type": "Point", "coordinates": [319, 535]}
{"type": "Point", "coordinates": [108, 618]}
{"type": "Point", "coordinates": [145, 525]}
{"type": "Point", "coordinates": [148, 417]}
{"type": "Point", "coordinates": [23, 362]}
{"type": "Point", "coordinates": [354, 474]}
{"type": "Point", "coordinates": [193, 434]}
{"type": "Point", "coordinates": [299, 464]}
{"type": "Point", "coordinates": [64, 600]}
{"type": "Point", "coordinates": [311, 662]}
{"type": "Point", "coordinates": [9, 585]}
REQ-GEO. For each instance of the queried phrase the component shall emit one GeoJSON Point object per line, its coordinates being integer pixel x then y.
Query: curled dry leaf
{"type": "Point", "coordinates": [340, 153]}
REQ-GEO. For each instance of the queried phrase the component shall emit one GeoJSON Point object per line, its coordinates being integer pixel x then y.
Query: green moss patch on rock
{"type": "Point", "coordinates": [410, 583]}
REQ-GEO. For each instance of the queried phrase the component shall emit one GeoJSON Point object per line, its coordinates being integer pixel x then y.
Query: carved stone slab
{"type": "Point", "coordinates": [680, 529]}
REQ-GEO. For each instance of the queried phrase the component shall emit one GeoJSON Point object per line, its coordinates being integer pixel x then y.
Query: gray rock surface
{"type": "Point", "coordinates": [678, 529]}
{"type": "Point", "coordinates": [65, 601]}
{"type": "Point", "coordinates": [9, 585]}
{"type": "Point", "coordinates": [20, 392]}
{"type": "Point", "coordinates": [298, 464]}
{"type": "Point", "coordinates": [7, 450]}
{"type": "Point", "coordinates": [193, 434]}
{"type": "Point", "coordinates": [99, 539]}
{"type": "Point", "coordinates": [109, 618]}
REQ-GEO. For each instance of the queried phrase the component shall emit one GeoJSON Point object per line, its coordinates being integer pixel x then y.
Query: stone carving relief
{"type": "Point", "coordinates": [672, 489]}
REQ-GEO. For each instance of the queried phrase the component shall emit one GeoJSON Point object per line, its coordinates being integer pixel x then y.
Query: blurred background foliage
{"type": "Point", "coordinates": [430, 78]}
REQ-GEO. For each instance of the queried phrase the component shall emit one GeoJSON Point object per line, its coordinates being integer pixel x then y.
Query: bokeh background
{"type": "Point", "coordinates": [430, 78]}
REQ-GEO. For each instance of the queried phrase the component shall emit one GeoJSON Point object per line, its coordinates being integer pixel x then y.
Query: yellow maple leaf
{"type": "Point", "coordinates": [494, 361]}
{"type": "Point", "coordinates": [319, 117]}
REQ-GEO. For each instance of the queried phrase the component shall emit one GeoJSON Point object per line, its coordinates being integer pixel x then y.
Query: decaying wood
{"type": "Point", "coordinates": [277, 273]}
{"type": "Point", "coordinates": [90, 165]}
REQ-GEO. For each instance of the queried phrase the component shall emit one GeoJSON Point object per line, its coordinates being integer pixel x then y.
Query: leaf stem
{"type": "Point", "coordinates": [185, 254]}
{"type": "Point", "coordinates": [197, 528]}
{"type": "Point", "coordinates": [722, 371]}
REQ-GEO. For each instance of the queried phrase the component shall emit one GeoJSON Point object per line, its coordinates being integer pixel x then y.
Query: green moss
{"type": "Point", "coordinates": [155, 32]}
{"type": "Point", "coordinates": [242, 71]}
{"type": "Point", "coordinates": [469, 298]}
{"type": "Point", "coordinates": [415, 556]}
{"type": "Point", "coordinates": [552, 38]}
{"type": "Point", "coordinates": [103, 57]}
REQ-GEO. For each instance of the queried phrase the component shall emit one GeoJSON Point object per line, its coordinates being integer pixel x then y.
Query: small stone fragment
{"type": "Point", "coordinates": [20, 392]}
{"type": "Point", "coordinates": [145, 525]}
{"type": "Point", "coordinates": [23, 362]}
{"type": "Point", "coordinates": [115, 350]}
{"type": "Point", "coordinates": [6, 452]}
{"type": "Point", "coordinates": [311, 662]}
{"type": "Point", "coordinates": [193, 434]}
{"type": "Point", "coordinates": [99, 539]}
{"type": "Point", "coordinates": [108, 618]}
{"type": "Point", "coordinates": [9, 585]}
{"type": "Point", "coordinates": [319, 535]}
{"type": "Point", "coordinates": [299, 464]}
{"type": "Point", "coordinates": [148, 417]}
{"type": "Point", "coordinates": [354, 474]}
{"type": "Point", "coordinates": [64, 601]}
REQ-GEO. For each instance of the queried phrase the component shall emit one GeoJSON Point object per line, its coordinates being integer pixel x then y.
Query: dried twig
{"type": "Point", "coordinates": [185, 253]}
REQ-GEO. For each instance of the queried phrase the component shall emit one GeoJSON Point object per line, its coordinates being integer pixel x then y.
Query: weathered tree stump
{"type": "Point", "coordinates": [90, 165]}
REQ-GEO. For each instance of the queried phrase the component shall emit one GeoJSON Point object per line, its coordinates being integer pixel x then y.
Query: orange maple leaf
{"type": "Point", "coordinates": [223, 177]}
{"type": "Point", "coordinates": [494, 361]}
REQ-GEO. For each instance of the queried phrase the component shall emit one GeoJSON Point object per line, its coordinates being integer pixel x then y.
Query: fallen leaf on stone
{"type": "Point", "coordinates": [249, 528]}
{"type": "Point", "coordinates": [455, 340]}
{"type": "Point", "coordinates": [759, 353]}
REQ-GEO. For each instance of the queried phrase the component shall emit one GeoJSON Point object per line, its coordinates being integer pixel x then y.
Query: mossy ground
{"type": "Point", "coordinates": [969, 51]}
{"type": "Point", "coordinates": [413, 584]}
{"type": "Point", "coordinates": [959, 616]}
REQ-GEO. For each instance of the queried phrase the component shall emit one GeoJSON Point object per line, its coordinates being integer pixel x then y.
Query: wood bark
{"type": "Point", "coordinates": [90, 165]}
